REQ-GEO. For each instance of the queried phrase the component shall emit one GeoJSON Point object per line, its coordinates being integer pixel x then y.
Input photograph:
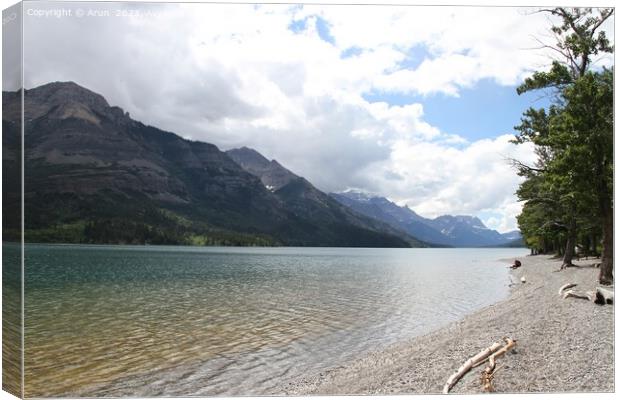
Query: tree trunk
{"type": "Point", "coordinates": [606, 276]}
{"type": "Point", "coordinates": [593, 245]}
{"type": "Point", "coordinates": [569, 253]}
{"type": "Point", "coordinates": [587, 246]}
{"type": "Point", "coordinates": [606, 212]}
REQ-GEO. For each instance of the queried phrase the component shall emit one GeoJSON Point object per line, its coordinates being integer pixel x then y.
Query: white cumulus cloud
{"type": "Point", "coordinates": [240, 75]}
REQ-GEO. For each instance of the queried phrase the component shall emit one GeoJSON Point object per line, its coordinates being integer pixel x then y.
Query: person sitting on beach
{"type": "Point", "coordinates": [516, 264]}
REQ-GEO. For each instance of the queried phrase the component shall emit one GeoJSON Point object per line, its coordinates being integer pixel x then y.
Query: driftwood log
{"type": "Point", "coordinates": [495, 350]}
{"type": "Point", "coordinates": [567, 286]}
{"type": "Point", "coordinates": [469, 364]}
{"type": "Point", "coordinates": [487, 380]}
{"type": "Point", "coordinates": [489, 370]}
{"type": "Point", "coordinates": [599, 296]}
{"type": "Point", "coordinates": [578, 295]}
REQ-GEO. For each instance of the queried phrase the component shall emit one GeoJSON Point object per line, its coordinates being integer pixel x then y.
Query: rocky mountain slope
{"type": "Point", "coordinates": [446, 230]}
{"type": "Point", "coordinates": [271, 173]}
{"type": "Point", "coordinates": [466, 231]}
{"type": "Point", "coordinates": [305, 200]}
{"type": "Point", "coordinates": [93, 174]}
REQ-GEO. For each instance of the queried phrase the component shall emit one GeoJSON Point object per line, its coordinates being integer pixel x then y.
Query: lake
{"type": "Point", "coordinates": [192, 321]}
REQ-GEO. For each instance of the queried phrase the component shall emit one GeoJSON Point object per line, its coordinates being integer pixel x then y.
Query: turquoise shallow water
{"type": "Point", "coordinates": [184, 321]}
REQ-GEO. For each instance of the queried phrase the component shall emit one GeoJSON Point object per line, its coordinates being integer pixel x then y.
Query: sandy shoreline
{"type": "Point", "coordinates": [563, 345]}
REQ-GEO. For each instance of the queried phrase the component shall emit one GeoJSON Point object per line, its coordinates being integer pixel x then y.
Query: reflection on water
{"type": "Point", "coordinates": [11, 318]}
{"type": "Point", "coordinates": [148, 321]}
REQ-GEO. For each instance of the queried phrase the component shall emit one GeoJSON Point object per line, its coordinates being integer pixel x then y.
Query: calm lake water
{"type": "Point", "coordinates": [159, 320]}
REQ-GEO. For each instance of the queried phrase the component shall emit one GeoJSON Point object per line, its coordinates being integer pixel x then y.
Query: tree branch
{"type": "Point", "coordinates": [547, 46]}
{"type": "Point", "coordinates": [519, 165]}
{"type": "Point", "coordinates": [567, 17]}
{"type": "Point", "coordinates": [570, 57]}
{"type": "Point", "coordinates": [604, 17]}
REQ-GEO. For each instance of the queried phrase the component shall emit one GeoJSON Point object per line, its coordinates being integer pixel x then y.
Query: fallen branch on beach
{"type": "Point", "coordinates": [567, 286]}
{"type": "Point", "coordinates": [599, 296]}
{"type": "Point", "coordinates": [469, 364]}
{"type": "Point", "coordinates": [495, 350]}
{"type": "Point", "coordinates": [578, 295]}
{"type": "Point", "coordinates": [489, 370]}
{"type": "Point", "coordinates": [487, 380]}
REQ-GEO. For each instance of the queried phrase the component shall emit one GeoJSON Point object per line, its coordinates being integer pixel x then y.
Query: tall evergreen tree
{"type": "Point", "coordinates": [575, 178]}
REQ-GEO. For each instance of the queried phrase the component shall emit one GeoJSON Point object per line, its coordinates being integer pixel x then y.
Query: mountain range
{"type": "Point", "coordinates": [446, 230]}
{"type": "Point", "coordinates": [94, 175]}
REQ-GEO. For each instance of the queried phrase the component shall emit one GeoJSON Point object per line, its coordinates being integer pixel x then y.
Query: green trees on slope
{"type": "Point", "coordinates": [568, 194]}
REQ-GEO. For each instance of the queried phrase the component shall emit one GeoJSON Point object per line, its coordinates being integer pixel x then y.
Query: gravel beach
{"type": "Point", "coordinates": [563, 345]}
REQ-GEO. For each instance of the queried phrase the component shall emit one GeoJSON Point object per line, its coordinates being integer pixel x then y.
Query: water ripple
{"type": "Point", "coordinates": [136, 321]}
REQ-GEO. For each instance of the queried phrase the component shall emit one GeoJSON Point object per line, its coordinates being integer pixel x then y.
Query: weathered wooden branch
{"type": "Point", "coordinates": [469, 364]}
{"type": "Point", "coordinates": [567, 286]}
{"type": "Point", "coordinates": [577, 295]}
{"type": "Point", "coordinates": [489, 370]}
{"type": "Point", "coordinates": [487, 380]}
{"type": "Point", "coordinates": [599, 296]}
{"type": "Point", "coordinates": [495, 350]}
{"type": "Point", "coordinates": [510, 343]}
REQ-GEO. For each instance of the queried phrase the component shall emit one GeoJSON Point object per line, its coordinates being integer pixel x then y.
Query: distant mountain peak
{"type": "Point", "coordinates": [271, 173]}
{"type": "Point", "coordinates": [355, 190]}
{"type": "Point", "coordinates": [468, 220]}
{"type": "Point", "coordinates": [63, 100]}
{"type": "Point", "coordinates": [92, 166]}
{"type": "Point", "coordinates": [249, 152]}
{"type": "Point", "coordinates": [451, 230]}
{"type": "Point", "coordinates": [63, 92]}
{"type": "Point", "coordinates": [358, 194]}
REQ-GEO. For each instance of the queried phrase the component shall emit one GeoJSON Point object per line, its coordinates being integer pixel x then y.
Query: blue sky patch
{"type": "Point", "coordinates": [486, 110]}
{"type": "Point", "coordinates": [351, 52]}
{"type": "Point", "coordinates": [297, 25]}
{"type": "Point", "coordinates": [322, 28]}
{"type": "Point", "coordinates": [415, 56]}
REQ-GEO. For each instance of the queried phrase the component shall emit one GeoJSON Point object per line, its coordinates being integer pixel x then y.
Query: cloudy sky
{"type": "Point", "coordinates": [414, 103]}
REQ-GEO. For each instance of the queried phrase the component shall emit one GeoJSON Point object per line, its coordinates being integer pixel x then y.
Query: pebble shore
{"type": "Point", "coordinates": [563, 345]}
